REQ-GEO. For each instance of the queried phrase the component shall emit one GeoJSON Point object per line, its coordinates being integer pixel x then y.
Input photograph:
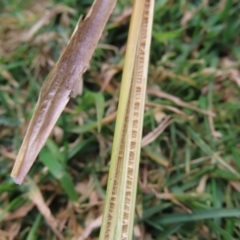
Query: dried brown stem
{"type": "Point", "coordinates": [62, 82]}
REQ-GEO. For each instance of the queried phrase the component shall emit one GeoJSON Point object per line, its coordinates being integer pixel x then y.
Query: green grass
{"type": "Point", "coordinates": [197, 61]}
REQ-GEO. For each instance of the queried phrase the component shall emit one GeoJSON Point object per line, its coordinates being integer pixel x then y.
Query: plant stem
{"type": "Point", "coordinates": [121, 194]}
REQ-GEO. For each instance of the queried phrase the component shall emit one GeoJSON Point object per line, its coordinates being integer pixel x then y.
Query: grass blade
{"type": "Point", "coordinates": [32, 235]}
{"type": "Point", "coordinates": [198, 215]}
{"type": "Point", "coordinates": [58, 171]}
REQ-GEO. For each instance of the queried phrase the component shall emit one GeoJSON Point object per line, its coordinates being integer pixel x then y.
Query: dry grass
{"type": "Point", "coordinates": [189, 174]}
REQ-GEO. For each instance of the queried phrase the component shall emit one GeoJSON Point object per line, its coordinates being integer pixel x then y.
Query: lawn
{"type": "Point", "coordinates": [189, 172]}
